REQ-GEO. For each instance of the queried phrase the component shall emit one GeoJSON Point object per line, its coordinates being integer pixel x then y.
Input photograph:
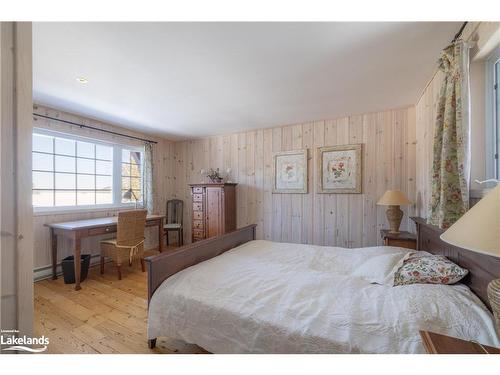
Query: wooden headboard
{"type": "Point", "coordinates": [482, 268]}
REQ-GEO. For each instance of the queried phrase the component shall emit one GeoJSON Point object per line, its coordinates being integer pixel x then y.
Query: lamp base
{"type": "Point", "coordinates": [494, 297]}
{"type": "Point", "coordinates": [394, 216]}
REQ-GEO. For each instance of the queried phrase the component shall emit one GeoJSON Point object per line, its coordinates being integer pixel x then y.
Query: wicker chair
{"type": "Point", "coordinates": [174, 219]}
{"type": "Point", "coordinates": [129, 241]}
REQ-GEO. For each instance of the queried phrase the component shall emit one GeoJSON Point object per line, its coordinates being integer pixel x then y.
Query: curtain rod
{"type": "Point", "coordinates": [436, 71]}
{"type": "Point", "coordinates": [457, 35]}
{"type": "Point", "coordinates": [97, 129]}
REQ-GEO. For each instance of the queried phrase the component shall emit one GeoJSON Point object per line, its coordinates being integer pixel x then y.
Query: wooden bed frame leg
{"type": "Point", "coordinates": [152, 343]}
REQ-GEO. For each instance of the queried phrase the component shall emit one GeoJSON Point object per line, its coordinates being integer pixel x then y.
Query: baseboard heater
{"type": "Point", "coordinates": [45, 272]}
{"type": "Point", "coordinates": [42, 273]}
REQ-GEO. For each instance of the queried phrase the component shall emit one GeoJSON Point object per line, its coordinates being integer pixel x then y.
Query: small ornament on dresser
{"type": "Point", "coordinates": [213, 175]}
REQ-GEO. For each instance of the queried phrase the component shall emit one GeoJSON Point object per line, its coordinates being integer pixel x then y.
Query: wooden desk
{"type": "Point", "coordinates": [435, 343]}
{"type": "Point", "coordinates": [76, 230]}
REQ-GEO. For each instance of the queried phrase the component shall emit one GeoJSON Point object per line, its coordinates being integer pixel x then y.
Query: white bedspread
{"type": "Point", "coordinates": [269, 297]}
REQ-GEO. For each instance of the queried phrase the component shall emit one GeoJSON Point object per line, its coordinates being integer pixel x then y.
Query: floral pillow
{"type": "Point", "coordinates": [428, 269]}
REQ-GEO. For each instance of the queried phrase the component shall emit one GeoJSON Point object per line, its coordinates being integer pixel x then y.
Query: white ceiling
{"type": "Point", "coordinates": [184, 80]}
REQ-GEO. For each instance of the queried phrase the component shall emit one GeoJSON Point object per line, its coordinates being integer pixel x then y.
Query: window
{"type": "Point", "coordinates": [496, 112]}
{"type": "Point", "coordinates": [75, 172]}
{"type": "Point", "coordinates": [131, 175]}
{"type": "Point", "coordinates": [493, 116]}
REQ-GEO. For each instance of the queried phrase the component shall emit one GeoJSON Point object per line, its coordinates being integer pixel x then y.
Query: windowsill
{"type": "Point", "coordinates": [84, 209]}
{"type": "Point", "coordinates": [479, 193]}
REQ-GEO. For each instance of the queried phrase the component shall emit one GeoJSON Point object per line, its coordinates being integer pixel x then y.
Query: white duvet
{"type": "Point", "coordinates": [269, 297]}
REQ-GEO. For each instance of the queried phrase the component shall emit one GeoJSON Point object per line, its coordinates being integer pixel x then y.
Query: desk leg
{"type": "Point", "coordinates": [77, 263]}
{"type": "Point", "coordinates": [53, 241]}
{"type": "Point", "coordinates": [160, 235]}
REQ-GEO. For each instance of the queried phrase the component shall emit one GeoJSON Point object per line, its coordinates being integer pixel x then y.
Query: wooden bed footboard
{"type": "Point", "coordinates": [166, 264]}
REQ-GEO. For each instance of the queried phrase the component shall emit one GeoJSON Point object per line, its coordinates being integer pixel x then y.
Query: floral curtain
{"type": "Point", "coordinates": [148, 177]}
{"type": "Point", "coordinates": [451, 153]}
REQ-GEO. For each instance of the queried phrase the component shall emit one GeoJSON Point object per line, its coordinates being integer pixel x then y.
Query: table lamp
{"type": "Point", "coordinates": [394, 199]}
{"type": "Point", "coordinates": [129, 194]}
{"type": "Point", "coordinates": [478, 230]}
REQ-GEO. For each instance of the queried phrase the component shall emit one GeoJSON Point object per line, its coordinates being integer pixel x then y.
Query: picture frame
{"type": "Point", "coordinates": [340, 169]}
{"type": "Point", "coordinates": [290, 172]}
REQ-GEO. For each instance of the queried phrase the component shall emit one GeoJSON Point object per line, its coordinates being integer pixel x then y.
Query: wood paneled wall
{"type": "Point", "coordinates": [16, 239]}
{"type": "Point", "coordinates": [348, 220]}
{"type": "Point", "coordinates": [163, 181]}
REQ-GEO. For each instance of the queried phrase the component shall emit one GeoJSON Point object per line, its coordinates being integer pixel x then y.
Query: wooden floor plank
{"type": "Point", "coordinates": [106, 316]}
{"type": "Point", "coordinates": [60, 336]}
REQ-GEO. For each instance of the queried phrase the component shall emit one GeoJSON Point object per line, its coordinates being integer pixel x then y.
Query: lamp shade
{"type": "Point", "coordinates": [129, 194]}
{"type": "Point", "coordinates": [393, 198]}
{"type": "Point", "coordinates": [479, 228]}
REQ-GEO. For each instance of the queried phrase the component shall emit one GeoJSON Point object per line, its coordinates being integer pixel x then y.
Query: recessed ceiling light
{"type": "Point", "coordinates": [82, 80]}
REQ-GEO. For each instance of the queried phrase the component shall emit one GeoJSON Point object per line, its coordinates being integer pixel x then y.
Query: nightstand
{"type": "Point", "coordinates": [435, 343]}
{"type": "Point", "coordinates": [401, 239]}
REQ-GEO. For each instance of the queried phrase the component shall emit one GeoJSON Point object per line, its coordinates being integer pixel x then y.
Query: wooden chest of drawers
{"type": "Point", "coordinates": [213, 210]}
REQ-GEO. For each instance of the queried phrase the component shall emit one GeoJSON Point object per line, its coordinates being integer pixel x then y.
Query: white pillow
{"type": "Point", "coordinates": [380, 269]}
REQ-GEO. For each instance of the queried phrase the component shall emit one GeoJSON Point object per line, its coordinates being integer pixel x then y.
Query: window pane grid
{"type": "Point", "coordinates": [101, 190]}
{"type": "Point", "coordinates": [72, 172]}
{"type": "Point", "coordinates": [68, 172]}
{"type": "Point", "coordinates": [69, 156]}
{"type": "Point", "coordinates": [83, 174]}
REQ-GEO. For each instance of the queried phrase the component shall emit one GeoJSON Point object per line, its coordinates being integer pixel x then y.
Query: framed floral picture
{"type": "Point", "coordinates": [290, 172]}
{"type": "Point", "coordinates": [339, 169]}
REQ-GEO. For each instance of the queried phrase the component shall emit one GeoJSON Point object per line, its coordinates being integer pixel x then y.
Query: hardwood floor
{"type": "Point", "coordinates": [107, 316]}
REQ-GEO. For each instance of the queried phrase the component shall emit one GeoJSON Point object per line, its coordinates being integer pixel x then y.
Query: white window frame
{"type": "Point", "coordinates": [117, 176]}
{"type": "Point", "coordinates": [492, 143]}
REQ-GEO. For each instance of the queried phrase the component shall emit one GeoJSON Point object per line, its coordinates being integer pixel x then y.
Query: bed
{"type": "Point", "coordinates": [235, 294]}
